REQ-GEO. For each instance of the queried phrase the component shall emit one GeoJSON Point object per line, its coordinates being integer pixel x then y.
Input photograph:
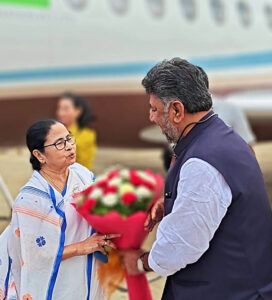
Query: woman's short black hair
{"type": "Point", "coordinates": [36, 137]}
{"type": "Point", "coordinates": [86, 115]}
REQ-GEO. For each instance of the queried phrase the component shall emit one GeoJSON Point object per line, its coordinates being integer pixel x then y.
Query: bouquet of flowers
{"type": "Point", "coordinates": [118, 202]}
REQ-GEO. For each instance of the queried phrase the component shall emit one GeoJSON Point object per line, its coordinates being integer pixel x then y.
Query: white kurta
{"type": "Point", "coordinates": [43, 222]}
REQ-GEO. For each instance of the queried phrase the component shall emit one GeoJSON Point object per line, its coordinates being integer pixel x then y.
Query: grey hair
{"type": "Point", "coordinates": [167, 102]}
{"type": "Point", "coordinates": [180, 80]}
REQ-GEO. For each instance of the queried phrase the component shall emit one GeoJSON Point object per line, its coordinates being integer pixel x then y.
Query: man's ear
{"type": "Point", "coordinates": [177, 111]}
{"type": "Point", "coordinates": [40, 157]}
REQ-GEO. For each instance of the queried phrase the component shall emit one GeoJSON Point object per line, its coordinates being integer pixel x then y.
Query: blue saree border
{"type": "Point", "coordinates": [89, 270]}
{"type": "Point", "coordinates": [7, 279]}
{"type": "Point", "coordinates": [61, 247]}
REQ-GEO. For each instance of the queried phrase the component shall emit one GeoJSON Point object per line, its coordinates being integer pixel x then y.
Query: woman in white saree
{"type": "Point", "coordinates": [49, 251]}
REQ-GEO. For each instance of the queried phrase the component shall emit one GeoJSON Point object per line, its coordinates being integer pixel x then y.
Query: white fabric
{"type": "Point", "coordinates": [33, 260]}
{"type": "Point", "coordinates": [203, 197]}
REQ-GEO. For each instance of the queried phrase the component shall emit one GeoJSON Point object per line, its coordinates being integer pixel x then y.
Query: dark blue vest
{"type": "Point", "coordinates": [238, 263]}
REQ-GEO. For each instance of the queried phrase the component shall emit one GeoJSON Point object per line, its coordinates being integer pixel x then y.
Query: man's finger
{"type": "Point", "coordinates": [155, 212]}
{"type": "Point", "coordinates": [151, 225]}
{"type": "Point", "coordinates": [158, 213]}
{"type": "Point", "coordinates": [147, 221]}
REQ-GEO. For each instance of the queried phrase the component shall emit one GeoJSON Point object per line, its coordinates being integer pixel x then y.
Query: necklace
{"type": "Point", "coordinates": [51, 181]}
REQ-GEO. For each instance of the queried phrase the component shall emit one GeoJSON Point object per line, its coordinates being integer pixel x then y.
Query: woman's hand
{"type": "Point", "coordinates": [96, 242]}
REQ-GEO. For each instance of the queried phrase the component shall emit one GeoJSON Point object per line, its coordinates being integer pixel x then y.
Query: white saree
{"type": "Point", "coordinates": [43, 222]}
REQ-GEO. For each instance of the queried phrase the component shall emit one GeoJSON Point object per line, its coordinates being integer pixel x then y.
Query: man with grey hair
{"type": "Point", "coordinates": [214, 240]}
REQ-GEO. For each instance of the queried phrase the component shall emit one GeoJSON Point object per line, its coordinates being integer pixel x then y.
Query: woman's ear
{"type": "Point", "coordinates": [40, 157]}
{"type": "Point", "coordinates": [177, 111]}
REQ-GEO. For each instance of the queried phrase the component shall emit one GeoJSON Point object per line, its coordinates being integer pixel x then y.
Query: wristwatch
{"type": "Point", "coordinates": [140, 263]}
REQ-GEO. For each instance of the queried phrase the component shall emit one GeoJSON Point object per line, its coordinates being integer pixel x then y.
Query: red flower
{"type": "Point", "coordinates": [102, 183]}
{"type": "Point", "coordinates": [110, 189]}
{"type": "Point", "coordinates": [113, 173]}
{"type": "Point", "coordinates": [129, 198]}
{"type": "Point", "coordinates": [149, 185]}
{"type": "Point", "coordinates": [89, 204]}
{"type": "Point", "coordinates": [135, 179]}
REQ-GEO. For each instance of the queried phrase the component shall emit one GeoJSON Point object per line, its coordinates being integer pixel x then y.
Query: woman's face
{"type": "Point", "coordinates": [58, 159]}
{"type": "Point", "coordinates": [67, 113]}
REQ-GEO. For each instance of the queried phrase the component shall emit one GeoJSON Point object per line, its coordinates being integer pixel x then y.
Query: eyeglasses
{"type": "Point", "coordinates": [61, 143]}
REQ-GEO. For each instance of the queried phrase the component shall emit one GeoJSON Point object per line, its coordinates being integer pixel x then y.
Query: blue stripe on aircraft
{"type": "Point", "coordinates": [133, 68]}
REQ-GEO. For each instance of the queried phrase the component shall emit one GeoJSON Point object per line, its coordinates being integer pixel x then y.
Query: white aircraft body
{"type": "Point", "coordinates": [107, 46]}
{"type": "Point", "coordinates": [114, 42]}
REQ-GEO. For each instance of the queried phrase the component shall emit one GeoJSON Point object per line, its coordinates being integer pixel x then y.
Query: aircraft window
{"type": "Point", "coordinates": [119, 6]}
{"type": "Point", "coordinates": [189, 9]}
{"type": "Point", "coordinates": [268, 14]}
{"type": "Point", "coordinates": [156, 7]}
{"type": "Point", "coordinates": [244, 13]}
{"type": "Point", "coordinates": [77, 4]}
{"type": "Point", "coordinates": [218, 12]}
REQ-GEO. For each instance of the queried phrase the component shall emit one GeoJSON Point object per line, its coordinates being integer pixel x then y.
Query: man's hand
{"type": "Point", "coordinates": [155, 215]}
{"type": "Point", "coordinates": [130, 258]}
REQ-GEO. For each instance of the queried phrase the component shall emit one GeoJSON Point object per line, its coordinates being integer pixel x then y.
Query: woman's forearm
{"type": "Point", "coordinates": [70, 251]}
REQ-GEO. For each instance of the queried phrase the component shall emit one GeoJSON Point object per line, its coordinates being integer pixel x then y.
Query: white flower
{"type": "Point", "coordinates": [146, 177]}
{"type": "Point", "coordinates": [124, 173]}
{"type": "Point", "coordinates": [109, 200]}
{"type": "Point", "coordinates": [96, 193]}
{"type": "Point", "coordinates": [143, 192]}
{"type": "Point", "coordinates": [116, 181]}
{"type": "Point", "coordinates": [101, 177]}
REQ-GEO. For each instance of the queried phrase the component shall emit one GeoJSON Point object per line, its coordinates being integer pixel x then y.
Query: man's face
{"type": "Point", "coordinates": [160, 116]}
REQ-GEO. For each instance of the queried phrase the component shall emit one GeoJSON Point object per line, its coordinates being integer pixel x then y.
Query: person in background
{"type": "Point", "coordinates": [75, 114]}
{"type": "Point", "coordinates": [232, 115]}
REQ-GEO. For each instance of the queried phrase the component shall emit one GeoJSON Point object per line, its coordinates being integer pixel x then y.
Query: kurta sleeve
{"type": "Point", "coordinates": [183, 236]}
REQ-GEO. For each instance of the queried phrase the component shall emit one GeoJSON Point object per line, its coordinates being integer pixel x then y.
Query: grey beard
{"type": "Point", "coordinates": [171, 132]}
{"type": "Point", "coordinates": [170, 139]}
